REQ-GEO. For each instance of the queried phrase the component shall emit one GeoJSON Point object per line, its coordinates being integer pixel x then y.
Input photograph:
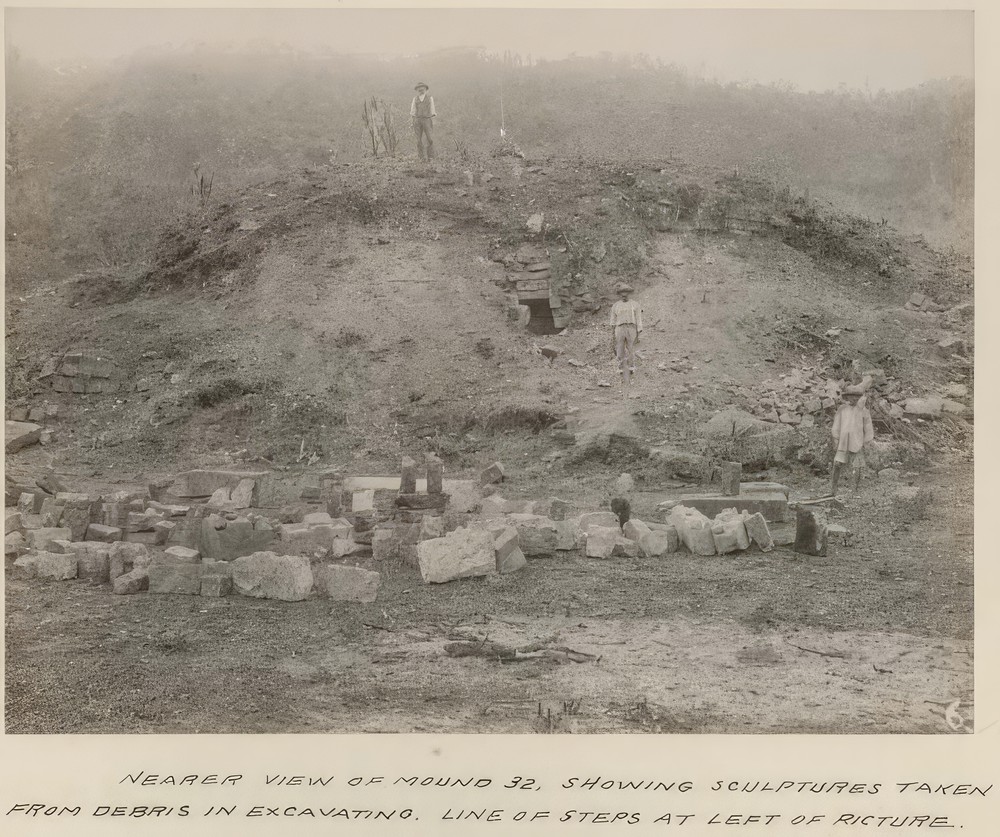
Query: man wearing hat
{"type": "Point", "coordinates": [422, 115]}
{"type": "Point", "coordinates": [626, 328]}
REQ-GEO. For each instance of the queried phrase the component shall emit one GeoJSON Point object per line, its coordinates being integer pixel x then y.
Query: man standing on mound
{"type": "Point", "coordinates": [626, 328]}
{"type": "Point", "coordinates": [422, 115]}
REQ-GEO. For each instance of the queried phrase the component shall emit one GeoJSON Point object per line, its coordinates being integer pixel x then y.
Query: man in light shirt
{"type": "Point", "coordinates": [422, 115]}
{"type": "Point", "coordinates": [626, 329]}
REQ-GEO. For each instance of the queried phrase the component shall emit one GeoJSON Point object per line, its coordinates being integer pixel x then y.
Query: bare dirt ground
{"type": "Point", "coordinates": [876, 637]}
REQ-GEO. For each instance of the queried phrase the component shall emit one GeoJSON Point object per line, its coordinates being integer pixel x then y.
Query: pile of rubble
{"type": "Point", "coordinates": [26, 426]}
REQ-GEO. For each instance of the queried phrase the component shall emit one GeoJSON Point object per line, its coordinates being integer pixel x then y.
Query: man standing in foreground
{"type": "Point", "coordinates": [626, 328]}
{"type": "Point", "coordinates": [422, 115]}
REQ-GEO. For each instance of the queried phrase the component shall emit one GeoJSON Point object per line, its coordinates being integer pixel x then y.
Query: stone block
{"type": "Point", "coordinates": [435, 474]}
{"type": "Point", "coordinates": [204, 483]}
{"type": "Point", "coordinates": [93, 561]}
{"type": "Point", "coordinates": [347, 584]}
{"type": "Point", "coordinates": [40, 538]}
{"type": "Point", "coordinates": [134, 581]}
{"type": "Point", "coordinates": [604, 519]}
{"type": "Point", "coordinates": [210, 568]}
{"type": "Point", "coordinates": [422, 501]}
{"type": "Point", "coordinates": [27, 504]}
{"type": "Point", "coordinates": [14, 544]}
{"type": "Point", "coordinates": [62, 547]}
{"type": "Point", "coordinates": [635, 529]}
{"type": "Point", "coordinates": [509, 556]}
{"type": "Point", "coordinates": [242, 496]}
{"type": "Point", "coordinates": [174, 577]}
{"type": "Point", "coordinates": [362, 501]}
{"type": "Point", "coordinates": [55, 566]}
{"type": "Point", "coordinates": [182, 555]}
{"type": "Point", "coordinates": [157, 537]}
{"type": "Point", "coordinates": [460, 554]}
{"type": "Point", "coordinates": [624, 548]}
{"type": "Point", "coordinates": [772, 504]}
{"type": "Point", "coordinates": [758, 531]}
{"type": "Point", "coordinates": [52, 512]}
{"type": "Point", "coordinates": [732, 473]}
{"type": "Point", "coordinates": [317, 519]}
{"type": "Point", "coordinates": [601, 540]}
{"type": "Point", "coordinates": [491, 475]}
{"type": "Point", "coordinates": [102, 533]}
{"type": "Point", "coordinates": [408, 476]}
{"type": "Point", "coordinates": [537, 535]}
{"type": "Point", "coordinates": [927, 408]}
{"type": "Point", "coordinates": [568, 535]}
{"type": "Point", "coordinates": [464, 496]}
{"type": "Point", "coordinates": [344, 547]}
{"type": "Point", "coordinates": [77, 520]}
{"type": "Point", "coordinates": [20, 434]}
{"type": "Point", "coordinates": [26, 564]}
{"type": "Point", "coordinates": [124, 557]}
{"type": "Point", "coordinates": [729, 533]}
{"type": "Point", "coordinates": [243, 537]}
{"type": "Point", "coordinates": [216, 586]}
{"type": "Point", "coordinates": [12, 521]}
{"type": "Point", "coordinates": [659, 542]}
{"type": "Point", "coordinates": [385, 545]}
{"type": "Point", "coordinates": [560, 509]}
{"type": "Point", "coordinates": [694, 529]}
{"type": "Point", "coordinates": [493, 506]}
{"type": "Point", "coordinates": [265, 575]}
{"type": "Point", "coordinates": [810, 532]}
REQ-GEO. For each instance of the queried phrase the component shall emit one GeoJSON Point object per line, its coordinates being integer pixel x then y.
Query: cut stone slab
{"type": "Point", "coordinates": [509, 556]}
{"type": "Point", "coordinates": [209, 568]}
{"type": "Point", "coordinates": [810, 533]}
{"type": "Point", "coordinates": [204, 483]}
{"type": "Point", "coordinates": [20, 434]}
{"type": "Point", "coordinates": [102, 533]}
{"type": "Point", "coordinates": [491, 475]}
{"type": "Point", "coordinates": [124, 557]}
{"type": "Point", "coordinates": [40, 538]}
{"type": "Point", "coordinates": [27, 564]}
{"type": "Point", "coordinates": [239, 537]}
{"type": "Point", "coordinates": [216, 586]}
{"type": "Point", "coordinates": [408, 476]}
{"type": "Point", "coordinates": [55, 566]}
{"type": "Point", "coordinates": [464, 496]}
{"type": "Point", "coordinates": [604, 519]}
{"type": "Point", "coordinates": [343, 547]}
{"type": "Point", "coordinates": [93, 561]}
{"type": "Point", "coordinates": [659, 542]}
{"type": "Point", "coordinates": [463, 553]}
{"type": "Point", "coordinates": [694, 529]}
{"type": "Point", "coordinates": [732, 472]}
{"type": "Point", "coordinates": [347, 584]}
{"type": "Point", "coordinates": [182, 554]}
{"type": "Point", "coordinates": [385, 545]}
{"type": "Point", "coordinates": [435, 474]}
{"type": "Point", "coordinates": [635, 529]}
{"type": "Point", "coordinates": [12, 521]}
{"type": "Point", "coordinates": [601, 540]}
{"type": "Point", "coordinates": [568, 535]}
{"type": "Point", "coordinates": [729, 532]}
{"type": "Point", "coordinates": [317, 518]}
{"type": "Point", "coordinates": [14, 544]}
{"type": "Point", "coordinates": [174, 577]}
{"type": "Point", "coordinates": [135, 581]}
{"type": "Point", "coordinates": [758, 531]}
{"type": "Point", "coordinates": [560, 509]}
{"type": "Point", "coordinates": [624, 548]}
{"type": "Point", "coordinates": [265, 575]}
{"type": "Point", "coordinates": [243, 494]}
{"type": "Point", "coordinates": [928, 408]}
{"type": "Point", "coordinates": [537, 535]}
{"type": "Point", "coordinates": [422, 501]}
{"type": "Point", "coordinates": [773, 505]}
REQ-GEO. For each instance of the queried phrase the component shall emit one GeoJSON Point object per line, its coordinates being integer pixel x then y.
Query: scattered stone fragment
{"type": "Point", "coordinates": [537, 535]}
{"type": "Point", "coordinates": [693, 529]}
{"type": "Point", "coordinates": [659, 542]}
{"type": "Point", "coordinates": [182, 554]}
{"type": "Point", "coordinates": [729, 533]}
{"type": "Point", "coordinates": [810, 533]}
{"type": "Point", "coordinates": [509, 556]}
{"type": "Point", "coordinates": [124, 557]}
{"type": "Point", "coordinates": [347, 584]}
{"type": "Point", "coordinates": [14, 544]}
{"type": "Point", "coordinates": [758, 531]}
{"type": "Point", "coordinates": [20, 434]}
{"type": "Point", "coordinates": [216, 586]}
{"type": "Point", "coordinates": [105, 534]}
{"type": "Point", "coordinates": [174, 577]}
{"type": "Point", "coordinates": [93, 561]}
{"type": "Point", "coordinates": [265, 575]}
{"type": "Point", "coordinates": [12, 521]}
{"type": "Point", "coordinates": [460, 554]}
{"type": "Point", "coordinates": [317, 518]}
{"type": "Point", "coordinates": [493, 474]}
{"type": "Point", "coordinates": [243, 494]}
{"type": "Point", "coordinates": [732, 473]}
{"type": "Point", "coordinates": [635, 529]}
{"type": "Point", "coordinates": [40, 538]}
{"type": "Point", "coordinates": [134, 581]}
{"type": "Point", "coordinates": [601, 540]}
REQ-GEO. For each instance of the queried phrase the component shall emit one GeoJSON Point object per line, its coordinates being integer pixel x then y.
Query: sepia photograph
{"type": "Point", "coordinates": [508, 371]}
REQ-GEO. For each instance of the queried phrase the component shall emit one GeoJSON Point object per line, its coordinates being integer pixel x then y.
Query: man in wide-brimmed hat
{"type": "Point", "coordinates": [422, 115]}
{"type": "Point", "coordinates": [852, 430]}
{"type": "Point", "coordinates": [626, 328]}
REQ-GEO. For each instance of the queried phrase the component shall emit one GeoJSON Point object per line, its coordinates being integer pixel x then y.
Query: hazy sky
{"type": "Point", "coordinates": [814, 50]}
